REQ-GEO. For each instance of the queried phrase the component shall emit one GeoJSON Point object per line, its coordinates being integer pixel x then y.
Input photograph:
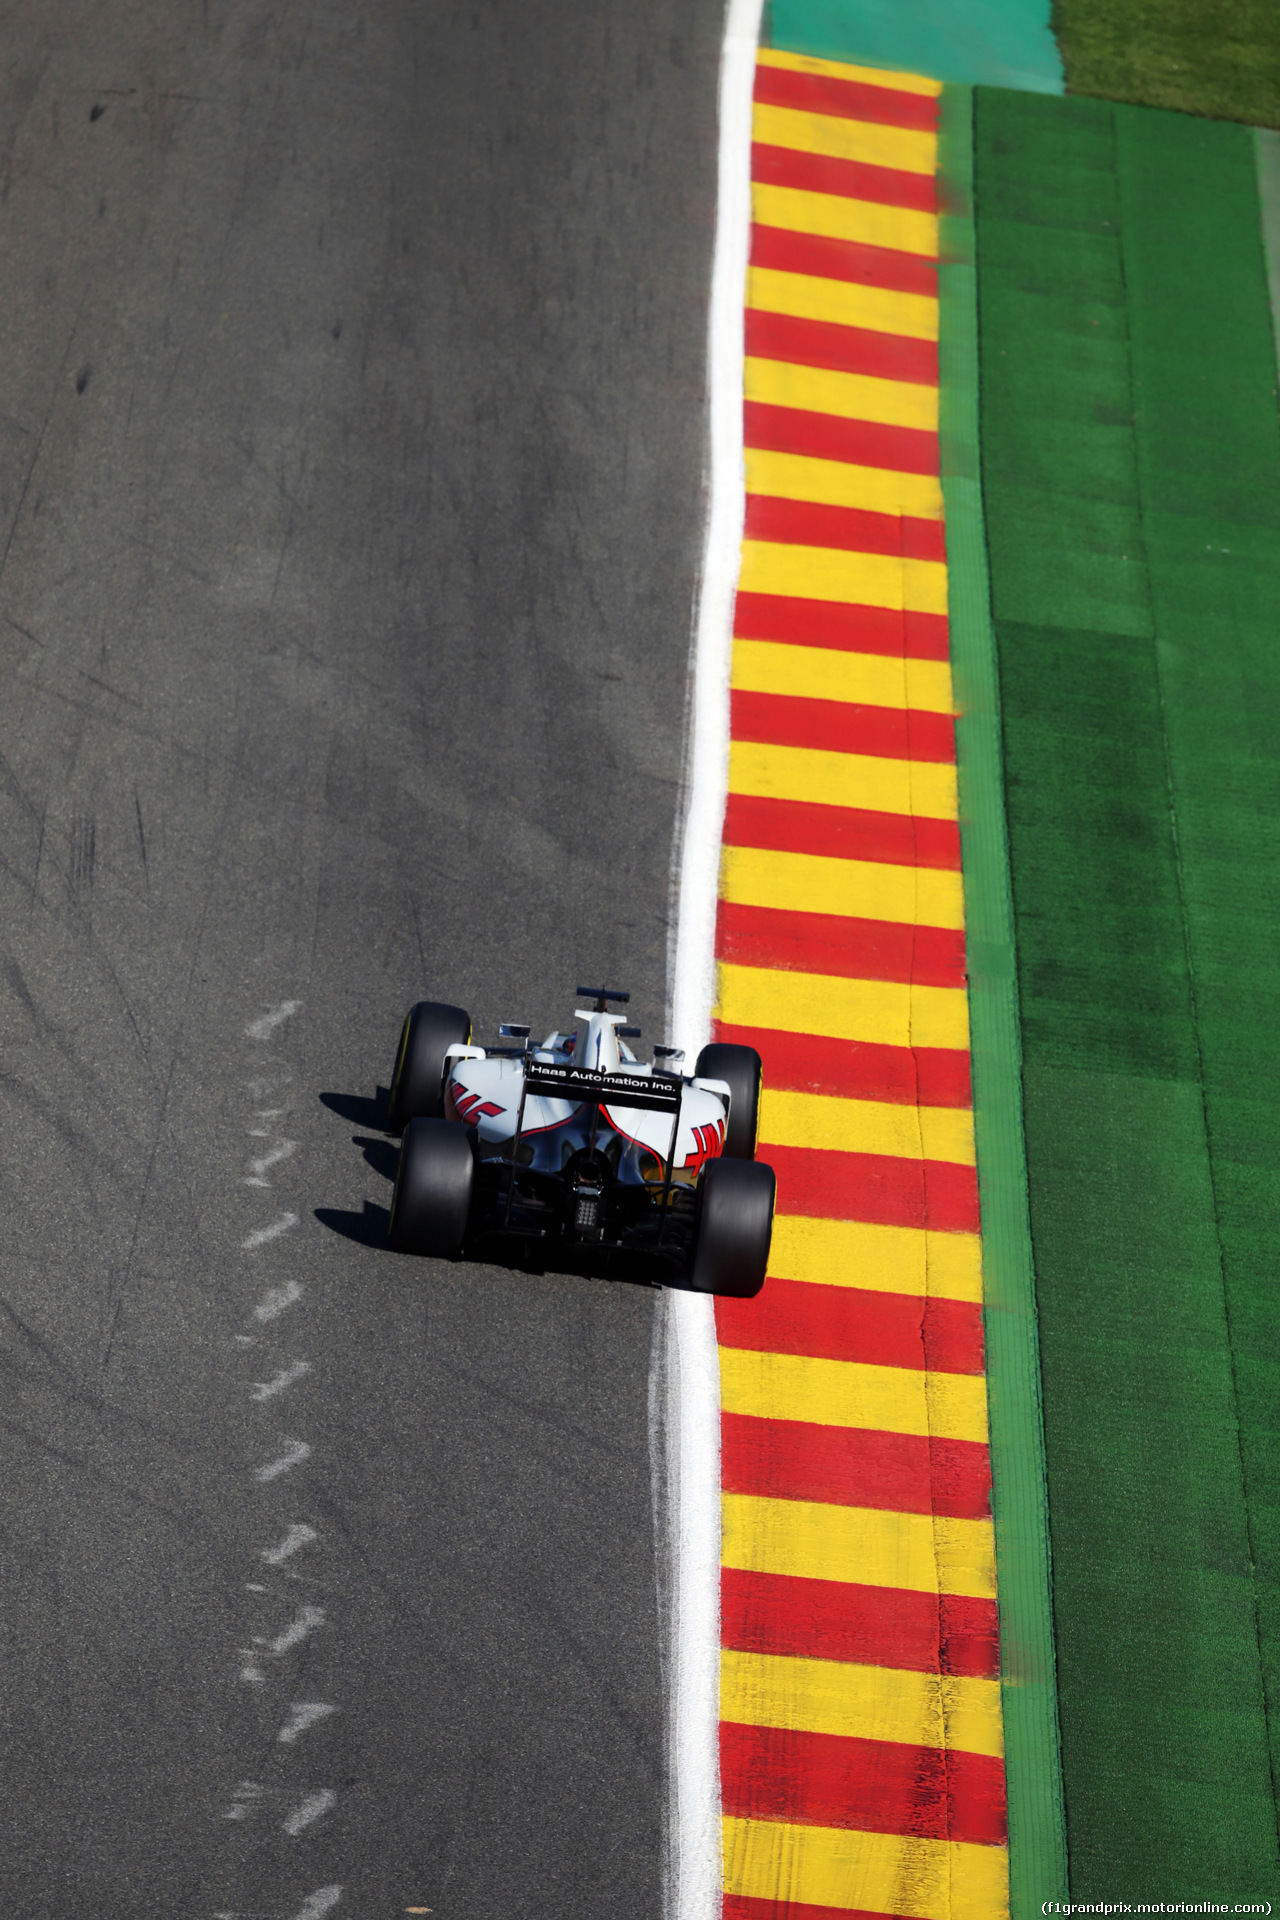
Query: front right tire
{"type": "Point", "coordinates": [432, 1201]}
{"type": "Point", "coordinates": [741, 1068]}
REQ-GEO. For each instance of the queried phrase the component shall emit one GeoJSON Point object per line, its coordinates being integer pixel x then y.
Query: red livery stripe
{"type": "Point", "coordinates": [846, 99]}
{"type": "Point", "coordinates": [849, 179]}
{"type": "Point", "coordinates": [854, 1323]}
{"type": "Point", "coordinates": [787, 252]}
{"type": "Point", "coordinates": [840, 726]}
{"type": "Point", "coordinates": [823, 343]}
{"type": "Point", "coordinates": [936, 1076]}
{"type": "Point", "coordinates": [842, 833]}
{"type": "Point", "coordinates": [876, 1187]}
{"type": "Point", "coordinates": [801, 523]}
{"type": "Point", "coordinates": [825, 436]}
{"type": "Point", "coordinates": [843, 948]}
{"type": "Point", "coordinates": [874, 1626]}
{"type": "Point", "coordinates": [877, 1786]}
{"type": "Point", "coordinates": [854, 1466]}
{"type": "Point", "coordinates": [833, 623]}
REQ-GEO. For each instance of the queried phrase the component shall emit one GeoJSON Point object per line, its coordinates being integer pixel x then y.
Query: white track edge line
{"type": "Point", "coordinates": [690, 1366]}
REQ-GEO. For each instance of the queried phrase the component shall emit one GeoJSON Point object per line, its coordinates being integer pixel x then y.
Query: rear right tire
{"type": "Point", "coordinates": [432, 1200]}
{"type": "Point", "coordinates": [735, 1226]}
{"type": "Point", "coordinates": [417, 1084]}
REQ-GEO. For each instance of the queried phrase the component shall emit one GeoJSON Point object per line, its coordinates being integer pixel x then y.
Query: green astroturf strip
{"type": "Point", "coordinates": [1006, 43]}
{"type": "Point", "coordinates": [1037, 1838]}
{"type": "Point", "coordinates": [1217, 57]}
{"type": "Point", "coordinates": [1131, 477]}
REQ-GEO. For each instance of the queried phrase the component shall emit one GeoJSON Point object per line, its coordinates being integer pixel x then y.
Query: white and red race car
{"type": "Point", "coordinates": [578, 1144]}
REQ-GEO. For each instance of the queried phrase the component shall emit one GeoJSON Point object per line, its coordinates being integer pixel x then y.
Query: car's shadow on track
{"type": "Point", "coordinates": [368, 1228]}
{"type": "Point", "coordinates": [360, 1110]}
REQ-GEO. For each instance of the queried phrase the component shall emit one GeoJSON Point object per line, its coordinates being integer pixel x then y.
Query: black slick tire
{"type": "Point", "coordinates": [740, 1066]}
{"type": "Point", "coordinates": [432, 1201]}
{"type": "Point", "coordinates": [735, 1226]}
{"type": "Point", "coordinates": [417, 1081]}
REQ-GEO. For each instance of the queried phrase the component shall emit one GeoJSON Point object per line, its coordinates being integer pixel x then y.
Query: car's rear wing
{"type": "Point", "coordinates": [650, 1093]}
{"type": "Point", "coordinates": [655, 1092]}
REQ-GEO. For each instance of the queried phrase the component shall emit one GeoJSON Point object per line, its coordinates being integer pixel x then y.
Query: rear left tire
{"type": "Point", "coordinates": [735, 1226]}
{"type": "Point", "coordinates": [432, 1201]}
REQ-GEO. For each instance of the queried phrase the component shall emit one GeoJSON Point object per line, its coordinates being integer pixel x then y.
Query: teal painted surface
{"type": "Point", "coordinates": [995, 43]}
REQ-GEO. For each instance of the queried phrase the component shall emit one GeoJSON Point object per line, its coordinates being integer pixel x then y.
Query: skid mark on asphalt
{"type": "Point", "coordinates": [268, 1389]}
{"type": "Point", "coordinates": [322, 1901]}
{"type": "Point", "coordinates": [308, 1618]}
{"type": "Point", "coordinates": [266, 1024]}
{"type": "Point", "coordinates": [279, 1650]}
{"type": "Point", "coordinates": [259, 1168]}
{"type": "Point", "coordinates": [263, 1236]}
{"type": "Point", "coordinates": [313, 1808]}
{"type": "Point", "coordinates": [276, 1300]}
{"type": "Point", "coordinates": [296, 1451]}
{"type": "Point", "coordinates": [299, 1535]}
{"type": "Point", "coordinates": [303, 1715]}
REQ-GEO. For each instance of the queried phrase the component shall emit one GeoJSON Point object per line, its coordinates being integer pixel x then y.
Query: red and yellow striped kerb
{"type": "Point", "coordinates": [861, 1742]}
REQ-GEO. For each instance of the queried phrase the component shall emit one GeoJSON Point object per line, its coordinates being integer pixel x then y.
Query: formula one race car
{"type": "Point", "coordinates": [576, 1145]}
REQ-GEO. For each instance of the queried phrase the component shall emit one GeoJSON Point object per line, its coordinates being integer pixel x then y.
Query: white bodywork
{"type": "Point", "coordinates": [486, 1094]}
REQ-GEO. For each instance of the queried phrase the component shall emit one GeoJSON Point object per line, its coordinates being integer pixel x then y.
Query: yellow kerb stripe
{"type": "Point", "coordinates": [904, 1132]}
{"type": "Point", "coordinates": [861, 1703]}
{"type": "Point", "coordinates": [828, 673]}
{"type": "Point", "coordinates": [833, 217]}
{"type": "Point", "coordinates": [885, 1873]}
{"type": "Point", "coordinates": [925, 788]}
{"type": "Point", "coordinates": [887, 1013]}
{"type": "Point", "coordinates": [861, 889]}
{"type": "Point", "coordinates": [833, 573]}
{"type": "Point", "coordinates": [852, 1393]}
{"type": "Point", "coordinates": [849, 396]}
{"type": "Point", "coordinates": [842, 303]}
{"type": "Point", "coordinates": [851, 1253]}
{"type": "Point", "coordinates": [836, 483]}
{"type": "Point", "coordinates": [806, 1540]}
{"type": "Point", "coordinates": [837, 70]}
{"type": "Point", "coordinates": [906, 149]}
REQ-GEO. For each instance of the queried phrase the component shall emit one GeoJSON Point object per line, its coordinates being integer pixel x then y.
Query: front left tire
{"type": "Point", "coordinates": [431, 1204]}
{"type": "Point", "coordinates": [417, 1081]}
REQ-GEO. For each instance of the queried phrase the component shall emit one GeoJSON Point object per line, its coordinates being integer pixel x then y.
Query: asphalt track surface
{"type": "Point", "coordinates": [352, 435]}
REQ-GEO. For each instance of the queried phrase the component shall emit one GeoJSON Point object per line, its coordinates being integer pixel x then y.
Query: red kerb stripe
{"type": "Point", "coordinates": [832, 623]}
{"type": "Point", "coordinates": [783, 251]}
{"type": "Point", "coordinates": [821, 343]}
{"type": "Point", "coordinates": [825, 436]}
{"type": "Point", "coordinates": [801, 523]}
{"type": "Point", "coordinates": [841, 948]}
{"type": "Point", "coordinates": [847, 179]}
{"type": "Point", "coordinates": [873, 1626]}
{"type": "Point", "coordinates": [876, 1187]}
{"type": "Point", "coordinates": [854, 1323]}
{"type": "Point", "coordinates": [846, 99]}
{"type": "Point", "coordinates": [876, 1786]}
{"type": "Point", "coordinates": [739, 1906]}
{"type": "Point", "coordinates": [842, 726]}
{"type": "Point", "coordinates": [854, 1466]}
{"type": "Point", "coordinates": [936, 1076]}
{"type": "Point", "coordinates": [841, 833]}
